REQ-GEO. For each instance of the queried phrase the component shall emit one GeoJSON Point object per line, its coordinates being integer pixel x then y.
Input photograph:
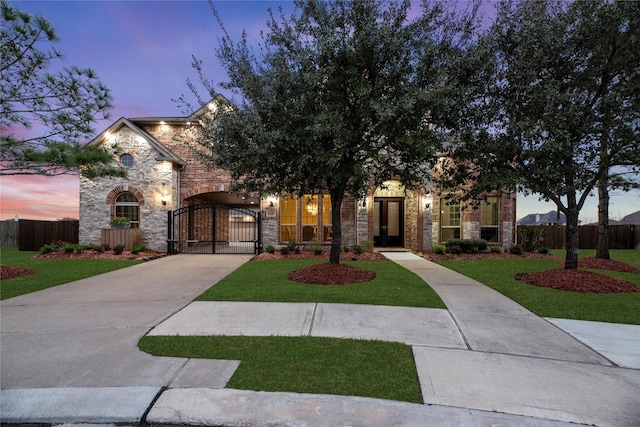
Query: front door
{"type": "Point", "coordinates": [388, 221]}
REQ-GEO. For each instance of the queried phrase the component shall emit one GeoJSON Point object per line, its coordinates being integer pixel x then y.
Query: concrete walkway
{"type": "Point", "coordinates": [69, 355]}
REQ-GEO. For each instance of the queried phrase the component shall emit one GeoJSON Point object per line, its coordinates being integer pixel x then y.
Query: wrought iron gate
{"type": "Point", "coordinates": [214, 229]}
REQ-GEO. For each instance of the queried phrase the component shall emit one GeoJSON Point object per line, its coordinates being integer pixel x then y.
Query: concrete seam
{"type": "Point", "coordinates": [313, 319]}
{"type": "Point", "coordinates": [464, 337]}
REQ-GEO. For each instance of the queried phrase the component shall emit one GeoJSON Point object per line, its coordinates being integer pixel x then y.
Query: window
{"type": "Point", "coordinates": [327, 227]}
{"type": "Point", "coordinates": [127, 206]}
{"type": "Point", "coordinates": [449, 219]}
{"type": "Point", "coordinates": [307, 219]}
{"type": "Point", "coordinates": [126, 160]}
{"type": "Point", "coordinates": [490, 219]}
{"type": "Point", "coordinates": [288, 219]}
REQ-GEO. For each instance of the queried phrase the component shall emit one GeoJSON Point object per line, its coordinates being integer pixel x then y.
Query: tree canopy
{"type": "Point", "coordinates": [58, 108]}
{"type": "Point", "coordinates": [555, 104]}
{"type": "Point", "coordinates": [336, 98]}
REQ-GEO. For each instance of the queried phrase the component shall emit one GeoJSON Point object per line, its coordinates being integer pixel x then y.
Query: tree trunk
{"type": "Point", "coordinates": [571, 259]}
{"type": "Point", "coordinates": [602, 247]}
{"type": "Point", "coordinates": [336, 226]}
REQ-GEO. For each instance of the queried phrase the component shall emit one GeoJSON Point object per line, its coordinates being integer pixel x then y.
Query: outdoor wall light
{"type": "Point", "coordinates": [427, 201]}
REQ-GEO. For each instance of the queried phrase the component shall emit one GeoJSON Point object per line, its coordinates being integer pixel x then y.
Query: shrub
{"type": "Point", "coordinates": [440, 250]}
{"type": "Point", "coordinates": [117, 250]}
{"type": "Point", "coordinates": [68, 248]}
{"type": "Point", "coordinates": [367, 246]}
{"type": "Point", "coordinates": [467, 246]}
{"type": "Point", "coordinates": [345, 248]}
{"type": "Point", "coordinates": [138, 248]}
{"type": "Point", "coordinates": [48, 248]}
{"type": "Point", "coordinates": [291, 245]}
{"type": "Point", "coordinates": [455, 249]}
{"type": "Point", "coordinates": [516, 250]}
{"type": "Point", "coordinates": [79, 248]}
{"type": "Point", "coordinates": [285, 250]}
{"type": "Point", "coordinates": [317, 250]}
{"type": "Point", "coordinates": [106, 247]}
{"type": "Point", "coordinates": [530, 237]}
{"type": "Point", "coordinates": [270, 249]}
{"type": "Point", "coordinates": [496, 249]}
{"type": "Point", "coordinates": [357, 249]}
{"type": "Point", "coordinates": [543, 250]}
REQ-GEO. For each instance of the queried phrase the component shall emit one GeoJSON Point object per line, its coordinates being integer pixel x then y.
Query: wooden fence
{"type": "Point", "coordinates": [33, 234]}
{"type": "Point", "coordinates": [9, 233]}
{"type": "Point", "coordinates": [128, 237]}
{"type": "Point", "coordinates": [620, 236]}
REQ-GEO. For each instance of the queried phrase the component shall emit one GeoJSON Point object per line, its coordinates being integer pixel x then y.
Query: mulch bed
{"type": "Point", "coordinates": [578, 281]}
{"type": "Point", "coordinates": [344, 256]}
{"type": "Point", "coordinates": [7, 272]}
{"type": "Point", "coordinates": [331, 274]}
{"type": "Point", "coordinates": [607, 264]}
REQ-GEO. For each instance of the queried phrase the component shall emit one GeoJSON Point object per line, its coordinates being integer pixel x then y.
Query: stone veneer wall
{"type": "Point", "coordinates": [147, 178]}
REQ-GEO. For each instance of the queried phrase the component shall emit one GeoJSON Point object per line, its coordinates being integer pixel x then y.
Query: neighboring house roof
{"type": "Point", "coordinates": [632, 218]}
{"type": "Point", "coordinates": [165, 154]}
{"type": "Point", "coordinates": [542, 219]}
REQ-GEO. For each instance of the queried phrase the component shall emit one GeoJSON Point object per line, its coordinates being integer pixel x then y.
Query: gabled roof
{"type": "Point", "coordinates": [165, 153]}
{"type": "Point", "coordinates": [632, 218]}
{"type": "Point", "coordinates": [217, 99]}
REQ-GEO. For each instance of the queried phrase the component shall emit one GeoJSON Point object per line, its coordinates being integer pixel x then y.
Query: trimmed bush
{"type": "Point", "coordinates": [543, 250]}
{"type": "Point", "coordinates": [317, 250]}
{"type": "Point", "coordinates": [270, 249]}
{"type": "Point", "coordinates": [367, 246]}
{"type": "Point", "coordinates": [357, 249]}
{"type": "Point", "coordinates": [516, 250]}
{"type": "Point", "coordinates": [496, 249]}
{"type": "Point", "coordinates": [285, 250]}
{"type": "Point", "coordinates": [467, 246]}
{"type": "Point", "coordinates": [440, 250]}
{"type": "Point", "coordinates": [117, 250]}
{"type": "Point", "coordinates": [455, 249]}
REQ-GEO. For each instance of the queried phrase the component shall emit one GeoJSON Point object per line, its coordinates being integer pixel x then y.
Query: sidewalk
{"type": "Point", "coordinates": [484, 361]}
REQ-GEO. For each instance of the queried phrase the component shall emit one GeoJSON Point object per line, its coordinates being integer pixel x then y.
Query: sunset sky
{"type": "Point", "coordinates": [142, 51]}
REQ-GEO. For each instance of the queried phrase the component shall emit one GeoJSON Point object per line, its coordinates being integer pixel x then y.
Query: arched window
{"type": "Point", "coordinates": [127, 206]}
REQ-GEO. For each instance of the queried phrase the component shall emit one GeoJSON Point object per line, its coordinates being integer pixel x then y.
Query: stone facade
{"type": "Point", "coordinates": [166, 175]}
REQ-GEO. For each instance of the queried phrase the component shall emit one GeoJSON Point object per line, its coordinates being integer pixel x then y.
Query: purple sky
{"type": "Point", "coordinates": [142, 51]}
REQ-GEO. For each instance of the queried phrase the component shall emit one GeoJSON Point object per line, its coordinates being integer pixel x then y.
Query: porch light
{"type": "Point", "coordinates": [428, 200]}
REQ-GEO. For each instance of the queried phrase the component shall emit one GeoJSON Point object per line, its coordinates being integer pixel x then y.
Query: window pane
{"type": "Point", "coordinates": [309, 218]}
{"type": "Point", "coordinates": [450, 233]}
{"type": "Point", "coordinates": [450, 218]}
{"type": "Point", "coordinates": [126, 205]}
{"type": "Point", "coordinates": [490, 234]}
{"type": "Point", "coordinates": [327, 234]}
{"type": "Point", "coordinates": [489, 212]}
{"type": "Point", "coordinates": [288, 219]}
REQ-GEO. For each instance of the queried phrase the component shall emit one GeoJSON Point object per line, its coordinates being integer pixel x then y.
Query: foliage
{"type": "Point", "coordinates": [340, 96]}
{"type": "Point", "coordinates": [58, 107]}
{"type": "Point", "coordinates": [367, 246]}
{"type": "Point", "coordinates": [530, 237]}
{"type": "Point", "coordinates": [317, 250]}
{"type": "Point", "coordinates": [547, 302]}
{"type": "Point", "coordinates": [117, 249]}
{"type": "Point", "coordinates": [270, 249]}
{"type": "Point", "coordinates": [119, 220]}
{"type": "Point", "coordinates": [357, 249]}
{"type": "Point", "coordinates": [516, 250]}
{"type": "Point", "coordinates": [439, 249]}
{"type": "Point", "coordinates": [496, 249]}
{"type": "Point", "coordinates": [394, 285]}
{"type": "Point", "coordinates": [466, 246]}
{"type": "Point", "coordinates": [543, 250]}
{"type": "Point", "coordinates": [139, 248]}
{"type": "Point", "coordinates": [337, 366]}
{"type": "Point", "coordinates": [50, 272]}
{"type": "Point", "coordinates": [555, 106]}
{"type": "Point", "coordinates": [285, 250]}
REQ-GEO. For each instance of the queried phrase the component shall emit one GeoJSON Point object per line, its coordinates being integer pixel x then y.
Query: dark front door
{"type": "Point", "coordinates": [388, 221]}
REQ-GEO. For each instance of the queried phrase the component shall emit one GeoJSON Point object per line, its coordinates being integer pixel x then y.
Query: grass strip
{"type": "Point", "coordinates": [50, 272]}
{"type": "Point", "coordinates": [346, 367]}
{"type": "Point", "coordinates": [499, 275]}
{"type": "Point", "coordinates": [267, 281]}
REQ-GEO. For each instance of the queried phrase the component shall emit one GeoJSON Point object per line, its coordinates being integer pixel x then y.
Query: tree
{"type": "Point", "coordinates": [59, 108]}
{"type": "Point", "coordinates": [555, 106]}
{"type": "Point", "coordinates": [341, 96]}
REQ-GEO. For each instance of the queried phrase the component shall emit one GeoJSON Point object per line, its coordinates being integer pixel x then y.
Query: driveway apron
{"type": "Point", "coordinates": [85, 333]}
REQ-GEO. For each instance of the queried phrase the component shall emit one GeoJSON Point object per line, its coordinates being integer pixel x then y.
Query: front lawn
{"type": "Point", "coordinates": [378, 369]}
{"type": "Point", "coordinates": [499, 274]}
{"type": "Point", "coordinates": [267, 281]}
{"type": "Point", "coordinates": [50, 272]}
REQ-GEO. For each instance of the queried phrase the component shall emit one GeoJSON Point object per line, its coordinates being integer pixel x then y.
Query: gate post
{"type": "Point", "coordinates": [213, 227]}
{"type": "Point", "coordinates": [169, 232]}
{"type": "Point", "coordinates": [258, 249]}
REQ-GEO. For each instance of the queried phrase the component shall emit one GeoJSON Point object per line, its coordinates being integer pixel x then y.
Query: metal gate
{"type": "Point", "coordinates": [214, 229]}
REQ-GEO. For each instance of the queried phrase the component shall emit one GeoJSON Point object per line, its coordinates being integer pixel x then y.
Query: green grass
{"type": "Point", "coordinates": [267, 281]}
{"type": "Point", "coordinates": [50, 272]}
{"type": "Point", "coordinates": [305, 364]}
{"type": "Point", "coordinates": [499, 273]}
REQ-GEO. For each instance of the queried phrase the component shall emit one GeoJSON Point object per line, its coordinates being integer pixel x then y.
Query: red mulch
{"type": "Point", "coordinates": [7, 272]}
{"type": "Point", "coordinates": [484, 255]}
{"type": "Point", "coordinates": [578, 281]}
{"type": "Point", "coordinates": [344, 256]}
{"type": "Point", "coordinates": [331, 274]}
{"type": "Point", "coordinates": [607, 264]}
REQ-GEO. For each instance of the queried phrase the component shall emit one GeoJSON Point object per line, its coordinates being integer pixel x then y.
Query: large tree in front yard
{"type": "Point", "coordinates": [339, 97]}
{"type": "Point", "coordinates": [556, 104]}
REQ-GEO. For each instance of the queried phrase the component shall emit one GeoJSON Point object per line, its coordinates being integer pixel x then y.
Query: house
{"type": "Point", "coordinates": [549, 218]}
{"type": "Point", "coordinates": [632, 218]}
{"type": "Point", "coordinates": [180, 204]}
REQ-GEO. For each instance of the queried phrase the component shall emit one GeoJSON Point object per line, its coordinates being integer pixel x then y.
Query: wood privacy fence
{"type": "Point", "coordinates": [9, 233]}
{"type": "Point", "coordinates": [33, 234]}
{"type": "Point", "coordinates": [620, 236]}
{"type": "Point", "coordinates": [128, 237]}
